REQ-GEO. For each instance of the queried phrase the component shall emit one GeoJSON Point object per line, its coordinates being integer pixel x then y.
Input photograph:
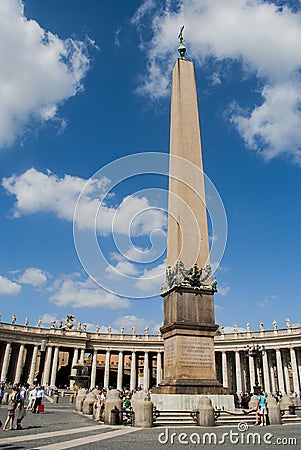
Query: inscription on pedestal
{"type": "Point", "coordinates": [189, 358]}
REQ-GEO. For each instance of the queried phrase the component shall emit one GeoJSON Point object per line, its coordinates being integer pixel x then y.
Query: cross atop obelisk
{"type": "Point", "coordinates": [187, 218]}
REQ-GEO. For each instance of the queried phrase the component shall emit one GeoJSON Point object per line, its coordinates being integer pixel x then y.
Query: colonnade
{"type": "Point", "coordinates": [27, 363]}
{"type": "Point", "coordinates": [138, 360]}
{"type": "Point", "coordinates": [278, 369]}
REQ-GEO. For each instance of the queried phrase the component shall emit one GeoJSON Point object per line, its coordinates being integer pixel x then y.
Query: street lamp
{"type": "Point", "coordinates": [254, 352]}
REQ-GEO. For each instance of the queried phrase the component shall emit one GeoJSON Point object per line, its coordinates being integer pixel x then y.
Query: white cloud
{"type": "Point", "coordinates": [39, 192]}
{"type": "Point", "coordinates": [267, 301]}
{"type": "Point", "coordinates": [39, 71]}
{"type": "Point", "coordinates": [79, 294]}
{"type": "Point", "coordinates": [8, 287]}
{"type": "Point", "coordinates": [231, 329]}
{"type": "Point", "coordinates": [218, 308]}
{"type": "Point", "coordinates": [265, 38]}
{"type": "Point", "coordinates": [47, 318]}
{"type": "Point", "coordinates": [152, 279]}
{"type": "Point", "coordinates": [116, 37]}
{"type": "Point", "coordinates": [140, 324]}
{"type": "Point", "coordinates": [34, 276]}
{"type": "Point", "coordinates": [223, 290]}
{"type": "Point", "coordinates": [120, 269]}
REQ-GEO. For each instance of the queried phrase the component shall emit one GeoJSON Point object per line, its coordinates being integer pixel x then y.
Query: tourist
{"type": "Point", "coordinates": [103, 398]}
{"type": "Point", "coordinates": [98, 409]}
{"type": "Point", "coordinates": [20, 411]}
{"type": "Point", "coordinates": [262, 408]}
{"type": "Point", "coordinates": [1, 392]}
{"type": "Point", "coordinates": [31, 398]}
{"type": "Point", "coordinates": [11, 407]}
{"type": "Point", "coordinates": [245, 401]}
{"type": "Point", "coordinates": [39, 398]}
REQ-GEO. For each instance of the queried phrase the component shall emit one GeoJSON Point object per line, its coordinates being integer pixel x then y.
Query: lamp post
{"type": "Point", "coordinates": [254, 352]}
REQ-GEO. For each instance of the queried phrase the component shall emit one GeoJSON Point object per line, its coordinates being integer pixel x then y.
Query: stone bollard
{"type": "Point", "coordinates": [5, 398]}
{"type": "Point", "coordinates": [55, 399]}
{"type": "Point", "coordinates": [274, 414]}
{"type": "Point", "coordinates": [89, 401]}
{"type": "Point", "coordinates": [113, 403]}
{"type": "Point", "coordinates": [286, 404]}
{"type": "Point", "coordinates": [82, 394]}
{"type": "Point", "coordinates": [143, 410]}
{"type": "Point", "coordinates": [206, 413]}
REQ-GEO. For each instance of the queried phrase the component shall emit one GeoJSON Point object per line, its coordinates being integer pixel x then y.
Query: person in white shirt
{"type": "Point", "coordinates": [39, 398]}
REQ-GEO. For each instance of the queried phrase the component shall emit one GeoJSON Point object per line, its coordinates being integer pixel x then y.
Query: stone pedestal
{"type": "Point", "coordinates": [274, 411]}
{"type": "Point", "coordinates": [113, 406]}
{"type": "Point", "coordinates": [206, 413]}
{"type": "Point", "coordinates": [143, 413]}
{"type": "Point", "coordinates": [82, 394]}
{"type": "Point", "coordinates": [188, 333]}
{"type": "Point", "coordinates": [89, 401]}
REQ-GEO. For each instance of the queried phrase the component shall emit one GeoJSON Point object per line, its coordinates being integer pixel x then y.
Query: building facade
{"type": "Point", "coordinates": [47, 355]}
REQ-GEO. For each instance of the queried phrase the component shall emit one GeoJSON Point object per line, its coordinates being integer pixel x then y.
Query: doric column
{"type": "Point", "coordinates": [225, 370]}
{"type": "Point", "coordinates": [82, 355]}
{"type": "Point", "coordinates": [159, 368]}
{"type": "Point", "coordinates": [266, 375]}
{"type": "Point", "coordinates": [298, 355]}
{"type": "Point", "coordinates": [19, 364]}
{"type": "Point", "coordinates": [120, 371]}
{"type": "Point", "coordinates": [54, 366]}
{"type": "Point", "coordinates": [146, 371]}
{"type": "Point", "coordinates": [133, 372]}
{"type": "Point", "coordinates": [6, 360]}
{"type": "Point", "coordinates": [33, 365]}
{"type": "Point", "coordinates": [294, 370]}
{"type": "Point", "coordinates": [74, 362]}
{"type": "Point", "coordinates": [238, 372]}
{"type": "Point", "coordinates": [272, 373]}
{"type": "Point", "coordinates": [279, 371]}
{"type": "Point", "coordinates": [286, 374]}
{"type": "Point", "coordinates": [93, 370]}
{"type": "Point", "coordinates": [107, 370]}
{"type": "Point", "coordinates": [252, 373]}
{"type": "Point", "coordinates": [46, 373]}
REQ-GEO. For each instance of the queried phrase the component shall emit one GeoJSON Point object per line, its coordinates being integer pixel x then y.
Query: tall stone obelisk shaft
{"type": "Point", "coordinates": [189, 326]}
{"type": "Point", "coordinates": [187, 220]}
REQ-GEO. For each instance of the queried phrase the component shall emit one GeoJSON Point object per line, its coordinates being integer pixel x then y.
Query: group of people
{"type": "Point", "coordinates": [260, 408]}
{"type": "Point", "coordinates": [16, 404]}
{"type": "Point", "coordinates": [99, 404]}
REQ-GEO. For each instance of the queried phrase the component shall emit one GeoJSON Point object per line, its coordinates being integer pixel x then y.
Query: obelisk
{"type": "Point", "coordinates": [189, 325]}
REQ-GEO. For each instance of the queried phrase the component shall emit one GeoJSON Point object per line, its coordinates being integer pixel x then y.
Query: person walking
{"type": "Point", "coordinates": [1, 392]}
{"type": "Point", "coordinates": [31, 398]}
{"type": "Point", "coordinates": [20, 411]}
{"type": "Point", "coordinates": [39, 398]}
{"type": "Point", "coordinates": [11, 407]}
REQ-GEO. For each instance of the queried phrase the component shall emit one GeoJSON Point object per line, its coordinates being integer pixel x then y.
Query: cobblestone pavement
{"type": "Point", "coordinates": [59, 427]}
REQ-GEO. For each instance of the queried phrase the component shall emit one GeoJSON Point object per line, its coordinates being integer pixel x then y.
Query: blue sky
{"type": "Point", "coordinates": [86, 84]}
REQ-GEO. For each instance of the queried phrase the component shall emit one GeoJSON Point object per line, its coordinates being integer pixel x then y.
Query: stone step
{"type": "Point", "coordinates": [174, 418]}
{"type": "Point", "coordinates": [291, 418]}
